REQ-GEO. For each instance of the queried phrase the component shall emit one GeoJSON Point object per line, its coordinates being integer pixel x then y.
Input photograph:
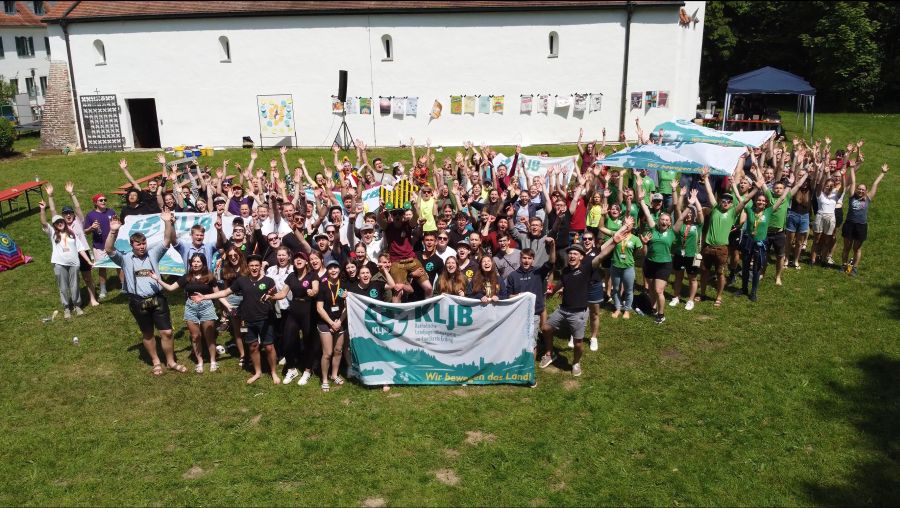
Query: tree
{"type": "Point", "coordinates": [7, 92]}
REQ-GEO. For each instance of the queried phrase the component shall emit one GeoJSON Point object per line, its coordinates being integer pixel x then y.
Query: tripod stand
{"type": "Point", "coordinates": [343, 138]}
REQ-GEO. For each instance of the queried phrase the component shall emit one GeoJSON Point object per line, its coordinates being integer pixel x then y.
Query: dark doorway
{"type": "Point", "coordinates": [144, 124]}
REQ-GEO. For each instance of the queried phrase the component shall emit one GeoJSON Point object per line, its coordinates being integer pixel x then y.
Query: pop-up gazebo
{"type": "Point", "coordinates": [769, 80]}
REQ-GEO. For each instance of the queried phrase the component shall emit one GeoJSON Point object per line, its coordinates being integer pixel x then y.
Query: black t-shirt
{"type": "Point", "coordinates": [299, 287]}
{"type": "Point", "coordinates": [334, 297]}
{"type": "Point", "coordinates": [596, 275]}
{"type": "Point", "coordinates": [246, 248]}
{"type": "Point", "coordinates": [575, 287]}
{"type": "Point", "coordinates": [252, 307]}
{"type": "Point", "coordinates": [375, 289]}
{"type": "Point", "coordinates": [191, 285]}
{"type": "Point", "coordinates": [433, 265]}
{"type": "Point", "coordinates": [291, 242]}
{"type": "Point", "coordinates": [148, 199]}
{"type": "Point", "coordinates": [455, 236]}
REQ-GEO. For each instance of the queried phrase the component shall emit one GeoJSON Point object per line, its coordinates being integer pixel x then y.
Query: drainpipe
{"type": "Point", "coordinates": [629, 7]}
{"type": "Point", "coordinates": [64, 25]}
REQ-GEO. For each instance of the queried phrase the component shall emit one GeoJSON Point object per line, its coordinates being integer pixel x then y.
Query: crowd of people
{"type": "Point", "coordinates": [280, 280]}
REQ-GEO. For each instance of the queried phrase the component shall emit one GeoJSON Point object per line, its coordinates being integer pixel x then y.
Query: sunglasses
{"type": "Point", "coordinates": [443, 238]}
{"type": "Point", "coordinates": [588, 238]}
{"type": "Point", "coordinates": [101, 201]}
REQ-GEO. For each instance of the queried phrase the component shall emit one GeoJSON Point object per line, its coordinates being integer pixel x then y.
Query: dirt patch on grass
{"type": "Point", "coordinates": [194, 473]}
{"type": "Point", "coordinates": [461, 392]}
{"type": "Point", "coordinates": [374, 502]}
{"type": "Point", "coordinates": [451, 453]}
{"type": "Point", "coordinates": [710, 345]}
{"type": "Point", "coordinates": [671, 353]}
{"type": "Point", "coordinates": [703, 317]}
{"type": "Point", "coordinates": [538, 502]}
{"type": "Point", "coordinates": [570, 384]}
{"type": "Point", "coordinates": [345, 402]}
{"type": "Point", "coordinates": [393, 395]}
{"type": "Point", "coordinates": [474, 437]}
{"type": "Point", "coordinates": [255, 420]}
{"type": "Point", "coordinates": [447, 477]}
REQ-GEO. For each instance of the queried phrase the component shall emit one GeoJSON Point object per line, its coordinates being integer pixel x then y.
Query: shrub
{"type": "Point", "coordinates": [7, 136]}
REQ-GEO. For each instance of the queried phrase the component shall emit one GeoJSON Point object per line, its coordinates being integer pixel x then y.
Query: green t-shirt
{"type": "Point", "coordinates": [665, 181]}
{"type": "Point", "coordinates": [686, 240]}
{"type": "Point", "coordinates": [757, 224]}
{"type": "Point", "coordinates": [659, 250]}
{"type": "Point", "coordinates": [779, 215]}
{"type": "Point", "coordinates": [634, 210]}
{"type": "Point", "coordinates": [649, 188]}
{"type": "Point", "coordinates": [612, 225]}
{"type": "Point", "coordinates": [720, 224]}
{"type": "Point", "coordinates": [623, 254]}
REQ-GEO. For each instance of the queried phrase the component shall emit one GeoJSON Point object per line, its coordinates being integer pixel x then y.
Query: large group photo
{"type": "Point", "coordinates": [536, 292]}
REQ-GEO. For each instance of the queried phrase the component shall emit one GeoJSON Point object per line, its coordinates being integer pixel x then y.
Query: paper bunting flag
{"type": "Point", "coordinates": [580, 102]}
{"type": "Point", "coordinates": [336, 105]}
{"type": "Point", "coordinates": [563, 101]}
{"type": "Point", "coordinates": [542, 103]}
{"type": "Point", "coordinates": [385, 105]}
{"type": "Point", "coordinates": [412, 106]}
{"type": "Point", "coordinates": [650, 99]}
{"type": "Point", "coordinates": [662, 100]}
{"type": "Point", "coordinates": [456, 104]}
{"type": "Point", "coordinates": [636, 100]}
{"type": "Point", "coordinates": [484, 104]}
{"type": "Point", "coordinates": [352, 106]}
{"type": "Point", "coordinates": [525, 105]}
{"type": "Point", "coordinates": [469, 104]}
{"type": "Point", "coordinates": [436, 109]}
{"type": "Point", "coordinates": [398, 106]}
{"type": "Point", "coordinates": [497, 103]}
{"type": "Point", "coordinates": [596, 102]}
{"type": "Point", "coordinates": [365, 105]}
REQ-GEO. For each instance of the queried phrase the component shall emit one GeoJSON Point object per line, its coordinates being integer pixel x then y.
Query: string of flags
{"type": "Point", "coordinates": [397, 106]}
{"type": "Point", "coordinates": [543, 103]}
{"type": "Point", "coordinates": [650, 99]}
{"type": "Point", "coordinates": [487, 104]}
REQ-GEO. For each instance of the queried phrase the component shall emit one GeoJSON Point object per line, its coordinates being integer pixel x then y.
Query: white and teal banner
{"type": "Point", "coordinates": [444, 340]}
{"type": "Point", "coordinates": [152, 227]}
{"type": "Point", "coordinates": [535, 165]}
{"type": "Point", "coordinates": [687, 131]}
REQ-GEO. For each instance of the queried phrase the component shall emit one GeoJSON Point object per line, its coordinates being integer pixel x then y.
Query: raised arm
{"type": "Point", "coordinates": [70, 188]}
{"type": "Point", "coordinates": [48, 188]}
{"type": "Point", "coordinates": [123, 165]}
{"type": "Point", "coordinates": [114, 224]}
{"type": "Point", "coordinates": [878, 179]}
{"type": "Point", "coordinates": [643, 205]}
{"type": "Point", "coordinates": [704, 177]}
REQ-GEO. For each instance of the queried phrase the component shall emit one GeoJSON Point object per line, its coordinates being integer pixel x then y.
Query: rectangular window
{"type": "Point", "coordinates": [2, 54]}
{"type": "Point", "coordinates": [14, 83]}
{"type": "Point", "coordinates": [29, 85]}
{"type": "Point", "coordinates": [9, 7]}
{"type": "Point", "coordinates": [25, 46]}
{"type": "Point", "coordinates": [39, 8]}
{"type": "Point", "coordinates": [47, 45]}
{"type": "Point", "coordinates": [44, 86]}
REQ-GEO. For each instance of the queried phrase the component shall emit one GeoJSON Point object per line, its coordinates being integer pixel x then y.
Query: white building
{"type": "Point", "coordinates": [190, 72]}
{"type": "Point", "coordinates": [25, 47]}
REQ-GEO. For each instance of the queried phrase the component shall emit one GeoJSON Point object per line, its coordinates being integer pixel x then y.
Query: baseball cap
{"type": "Point", "coordinates": [302, 255]}
{"type": "Point", "coordinates": [727, 196]}
{"type": "Point", "coordinates": [335, 207]}
{"type": "Point", "coordinates": [97, 197]}
{"type": "Point", "coordinates": [575, 246]}
{"type": "Point", "coordinates": [254, 257]}
{"type": "Point", "coordinates": [320, 235]}
{"type": "Point", "coordinates": [56, 218]}
{"type": "Point", "coordinates": [68, 209]}
{"type": "Point", "coordinates": [395, 165]}
{"type": "Point", "coordinates": [219, 199]}
{"type": "Point", "coordinates": [332, 262]}
{"type": "Point", "coordinates": [367, 227]}
{"type": "Point", "coordinates": [656, 197]}
{"type": "Point", "coordinates": [463, 243]}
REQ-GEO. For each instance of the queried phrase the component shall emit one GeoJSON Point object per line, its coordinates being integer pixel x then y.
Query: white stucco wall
{"type": "Point", "coordinates": [201, 100]}
{"type": "Point", "coordinates": [12, 66]}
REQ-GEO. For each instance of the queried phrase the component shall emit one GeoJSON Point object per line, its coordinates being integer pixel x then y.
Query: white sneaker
{"type": "Point", "coordinates": [67, 314]}
{"type": "Point", "coordinates": [576, 369]}
{"type": "Point", "coordinates": [102, 294]}
{"type": "Point", "coordinates": [571, 342]}
{"type": "Point", "coordinates": [689, 305]}
{"type": "Point", "coordinates": [282, 362]}
{"type": "Point", "coordinates": [674, 302]}
{"type": "Point", "coordinates": [304, 378]}
{"type": "Point", "coordinates": [547, 360]}
{"type": "Point", "coordinates": [78, 311]}
{"type": "Point", "coordinates": [290, 376]}
{"type": "Point", "coordinates": [213, 367]}
{"type": "Point", "coordinates": [594, 344]}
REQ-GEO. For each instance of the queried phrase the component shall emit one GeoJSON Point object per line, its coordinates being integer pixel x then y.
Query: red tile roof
{"type": "Point", "coordinates": [25, 16]}
{"type": "Point", "coordinates": [99, 11]}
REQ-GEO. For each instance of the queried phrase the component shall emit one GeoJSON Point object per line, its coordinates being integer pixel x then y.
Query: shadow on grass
{"type": "Point", "coordinates": [892, 292]}
{"type": "Point", "coordinates": [873, 406]}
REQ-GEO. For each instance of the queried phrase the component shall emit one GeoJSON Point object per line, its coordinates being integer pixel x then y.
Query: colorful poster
{"type": "Point", "coordinates": [649, 99]}
{"type": "Point", "coordinates": [662, 100]}
{"type": "Point", "coordinates": [469, 104]}
{"type": "Point", "coordinates": [336, 105]}
{"type": "Point", "coordinates": [636, 100]}
{"type": "Point", "coordinates": [398, 106]}
{"type": "Point", "coordinates": [456, 104]}
{"type": "Point", "coordinates": [365, 105]}
{"type": "Point", "coordinates": [525, 104]}
{"type": "Point", "coordinates": [412, 106]}
{"type": "Point", "coordinates": [371, 199]}
{"type": "Point", "coordinates": [352, 106]}
{"type": "Point", "coordinates": [497, 103]}
{"type": "Point", "coordinates": [563, 101]}
{"type": "Point", "coordinates": [436, 109]}
{"type": "Point", "coordinates": [596, 102]}
{"type": "Point", "coordinates": [484, 104]}
{"type": "Point", "coordinates": [276, 115]}
{"type": "Point", "coordinates": [542, 103]}
{"type": "Point", "coordinates": [385, 105]}
{"type": "Point", "coordinates": [580, 102]}
{"type": "Point", "coordinates": [444, 340]}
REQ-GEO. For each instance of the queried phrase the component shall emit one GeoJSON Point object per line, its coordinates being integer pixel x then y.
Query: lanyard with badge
{"type": "Point", "coordinates": [335, 295]}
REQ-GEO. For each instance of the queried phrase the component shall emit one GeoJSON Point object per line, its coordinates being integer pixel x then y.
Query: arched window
{"type": "Point", "coordinates": [388, 44]}
{"type": "Point", "coordinates": [100, 49]}
{"type": "Point", "coordinates": [224, 49]}
{"type": "Point", "coordinates": [554, 45]}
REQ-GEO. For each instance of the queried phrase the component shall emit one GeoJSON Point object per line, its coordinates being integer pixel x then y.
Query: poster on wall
{"type": "Point", "coordinates": [596, 102]}
{"type": "Point", "coordinates": [649, 99]}
{"type": "Point", "coordinates": [469, 104]}
{"type": "Point", "coordinates": [436, 109]}
{"type": "Point", "coordinates": [336, 105]}
{"type": "Point", "coordinates": [525, 104]}
{"type": "Point", "coordinates": [484, 104]}
{"type": "Point", "coordinates": [497, 103]}
{"type": "Point", "coordinates": [456, 104]}
{"type": "Point", "coordinates": [662, 100]}
{"type": "Point", "coordinates": [384, 105]}
{"type": "Point", "coordinates": [365, 105]}
{"type": "Point", "coordinates": [412, 106]}
{"type": "Point", "coordinates": [276, 115]}
{"type": "Point", "coordinates": [352, 106]}
{"type": "Point", "coordinates": [636, 100]}
{"type": "Point", "coordinates": [563, 101]}
{"type": "Point", "coordinates": [398, 106]}
{"type": "Point", "coordinates": [542, 103]}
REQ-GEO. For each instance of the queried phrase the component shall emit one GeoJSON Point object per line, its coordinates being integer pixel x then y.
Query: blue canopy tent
{"type": "Point", "coordinates": [769, 80]}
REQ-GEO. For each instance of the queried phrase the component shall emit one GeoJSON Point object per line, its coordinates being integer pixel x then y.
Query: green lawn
{"type": "Point", "coordinates": [792, 401]}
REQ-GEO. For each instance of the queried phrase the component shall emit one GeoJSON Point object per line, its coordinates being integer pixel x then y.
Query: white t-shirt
{"type": "Point", "coordinates": [65, 252]}
{"type": "Point", "coordinates": [828, 202]}
{"type": "Point", "coordinates": [279, 274]}
{"type": "Point", "coordinates": [449, 251]}
{"type": "Point", "coordinates": [268, 225]}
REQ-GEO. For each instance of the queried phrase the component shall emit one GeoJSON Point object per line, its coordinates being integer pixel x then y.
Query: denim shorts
{"type": "Point", "coordinates": [797, 222]}
{"type": "Point", "coordinates": [199, 312]}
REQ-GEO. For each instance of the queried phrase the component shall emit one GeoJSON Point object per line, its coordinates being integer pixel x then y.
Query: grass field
{"type": "Point", "coordinates": [792, 401]}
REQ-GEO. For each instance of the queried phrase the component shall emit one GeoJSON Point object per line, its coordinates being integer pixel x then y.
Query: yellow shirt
{"type": "Point", "coordinates": [593, 216]}
{"type": "Point", "coordinates": [426, 211]}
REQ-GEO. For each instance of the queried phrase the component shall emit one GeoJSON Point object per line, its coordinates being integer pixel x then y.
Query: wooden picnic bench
{"type": "Point", "coordinates": [12, 194]}
{"type": "Point", "coordinates": [123, 189]}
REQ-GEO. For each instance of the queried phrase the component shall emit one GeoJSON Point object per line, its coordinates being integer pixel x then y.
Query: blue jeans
{"type": "Point", "coordinates": [624, 277]}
